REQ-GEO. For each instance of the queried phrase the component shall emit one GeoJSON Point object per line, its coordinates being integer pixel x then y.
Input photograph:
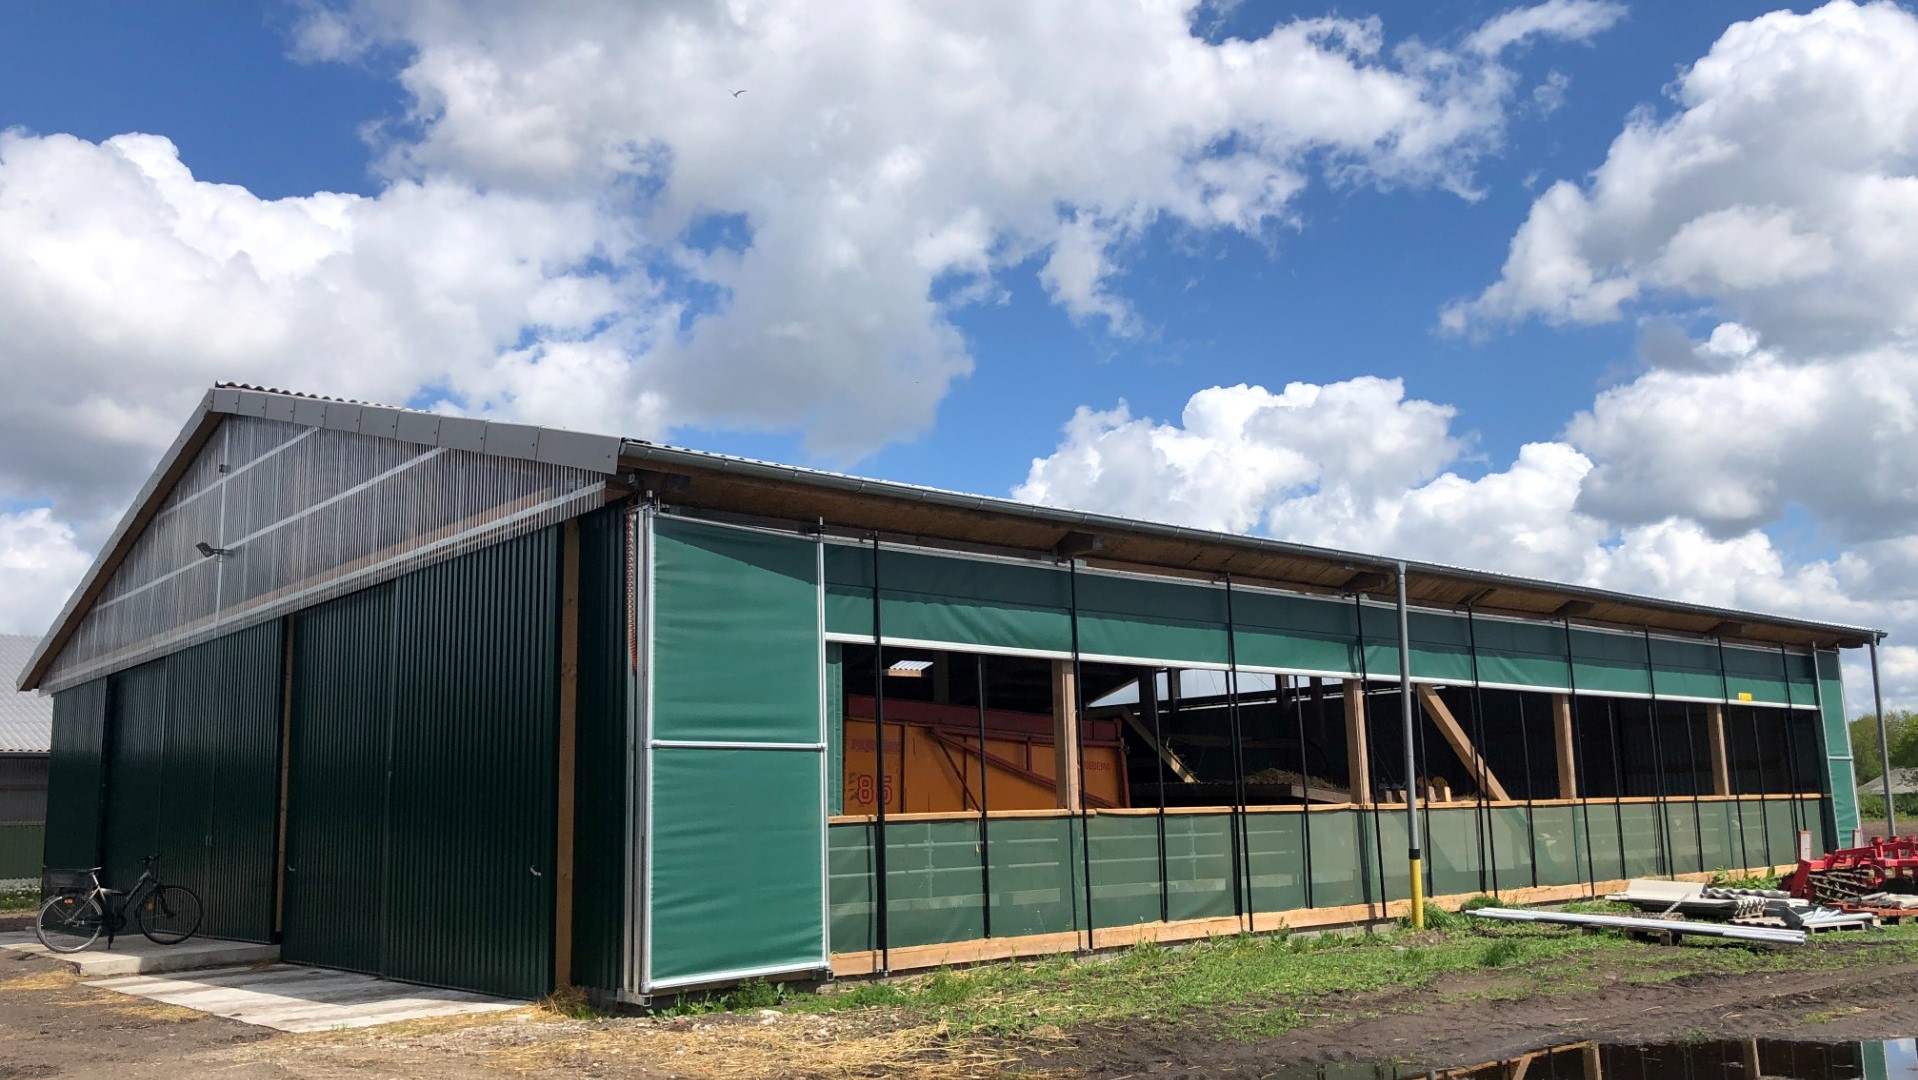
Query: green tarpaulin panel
{"type": "Point", "coordinates": [1687, 669]}
{"type": "Point", "coordinates": [1600, 821]}
{"type": "Point", "coordinates": [76, 773]}
{"type": "Point", "coordinates": [1297, 632]}
{"type": "Point", "coordinates": [1761, 674]}
{"type": "Point", "coordinates": [1508, 838]}
{"type": "Point", "coordinates": [1605, 663]}
{"type": "Point", "coordinates": [1644, 840]}
{"type": "Point", "coordinates": [1521, 654]}
{"type": "Point", "coordinates": [1842, 807]}
{"type": "Point", "coordinates": [1198, 866]}
{"type": "Point", "coordinates": [336, 793]}
{"type": "Point", "coordinates": [735, 635]}
{"type": "Point", "coordinates": [1125, 869]}
{"type": "Point", "coordinates": [1441, 645]}
{"type": "Point", "coordinates": [1275, 848]}
{"type": "Point", "coordinates": [1389, 849]}
{"type": "Point", "coordinates": [1784, 832]}
{"type": "Point", "coordinates": [736, 882]}
{"type": "Point", "coordinates": [850, 864]}
{"type": "Point", "coordinates": [1452, 851]}
{"type": "Point", "coordinates": [1686, 852]}
{"type": "Point", "coordinates": [1036, 883]}
{"type": "Point", "coordinates": [1151, 620]}
{"type": "Point", "coordinates": [1559, 848]}
{"type": "Point", "coordinates": [933, 883]}
{"type": "Point", "coordinates": [736, 876]}
{"type": "Point", "coordinates": [949, 599]}
{"type": "Point", "coordinates": [1754, 851]}
{"type": "Point", "coordinates": [1720, 841]}
{"type": "Point", "coordinates": [1339, 876]}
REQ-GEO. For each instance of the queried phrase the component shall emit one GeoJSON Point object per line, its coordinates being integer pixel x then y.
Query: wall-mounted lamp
{"type": "Point", "coordinates": [207, 551]}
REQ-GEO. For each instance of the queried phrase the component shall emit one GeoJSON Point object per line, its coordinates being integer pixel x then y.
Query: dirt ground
{"type": "Point", "coordinates": [52, 1026]}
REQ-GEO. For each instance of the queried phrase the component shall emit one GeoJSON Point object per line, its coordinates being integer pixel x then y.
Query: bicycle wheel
{"type": "Point", "coordinates": [169, 914]}
{"type": "Point", "coordinates": [69, 922]}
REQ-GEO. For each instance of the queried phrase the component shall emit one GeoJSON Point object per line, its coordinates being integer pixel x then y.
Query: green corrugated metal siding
{"type": "Point", "coordinates": [735, 883]}
{"type": "Point", "coordinates": [600, 847]}
{"type": "Point", "coordinates": [472, 814]}
{"type": "Point", "coordinates": [76, 775]}
{"type": "Point", "coordinates": [135, 750]}
{"type": "Point", "coordinates": [220, 786]}
{"type": "Point", "coordinates": [335, 827]}
{"type": "Point", "coordinates": [21, 844]}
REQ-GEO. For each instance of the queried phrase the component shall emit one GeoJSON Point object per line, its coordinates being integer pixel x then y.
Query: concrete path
{"type": "Point", "coordinates": [133, 954]}
{"type": "Point", "coordinates": [291, 998]}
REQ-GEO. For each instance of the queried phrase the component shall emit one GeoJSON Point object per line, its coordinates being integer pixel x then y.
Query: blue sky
{"type": "Point", "coordinates": [561, 213]}
{"type": "Point", "coordinates": [1354, 290]}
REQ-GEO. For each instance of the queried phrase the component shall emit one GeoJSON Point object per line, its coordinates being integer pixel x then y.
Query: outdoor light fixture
{"type": "Point", "coordinates": [207, 551]}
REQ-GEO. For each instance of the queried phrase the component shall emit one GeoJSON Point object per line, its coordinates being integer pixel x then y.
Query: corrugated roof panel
{"type": "Point", "coordinates": [26, 719]}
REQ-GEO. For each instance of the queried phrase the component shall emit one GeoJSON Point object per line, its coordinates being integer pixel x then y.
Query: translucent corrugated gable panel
{"type": "Point", "coordinates": [306, 514]}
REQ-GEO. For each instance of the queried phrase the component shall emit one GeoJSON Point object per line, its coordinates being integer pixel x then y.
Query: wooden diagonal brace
{"type": "Point", "coordinates": [1461, 745]}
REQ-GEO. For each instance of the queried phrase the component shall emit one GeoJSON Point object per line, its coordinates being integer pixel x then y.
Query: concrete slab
{"type": "Point", "coordinates": [289, 998]}
{"type": "Point", "coordinates": [135, 955]}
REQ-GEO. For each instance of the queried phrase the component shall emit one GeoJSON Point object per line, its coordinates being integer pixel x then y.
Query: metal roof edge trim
{"type": "Point", "coordinates": [656, 452]}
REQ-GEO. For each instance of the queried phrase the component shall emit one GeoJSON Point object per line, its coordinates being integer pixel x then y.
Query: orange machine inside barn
{"type": "Point", "coordinates": [934, 764]}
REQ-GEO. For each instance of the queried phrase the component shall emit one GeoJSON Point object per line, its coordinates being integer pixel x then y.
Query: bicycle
{"type": "Point", "coordinates": [72, 919]}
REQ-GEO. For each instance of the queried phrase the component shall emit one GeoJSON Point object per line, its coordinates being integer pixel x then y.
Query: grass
{"type": "Point", "coordinates": [18, 900]}
{"type": "Point", "coordinates": [1254, 987]}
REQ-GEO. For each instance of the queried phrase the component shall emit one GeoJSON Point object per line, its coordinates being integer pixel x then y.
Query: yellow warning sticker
{"type": "Point", "coordinates": [1744, 695]}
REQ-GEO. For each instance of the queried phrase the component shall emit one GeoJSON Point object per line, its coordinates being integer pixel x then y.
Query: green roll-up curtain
{"type": "Point", "coordinates": [1302, 633]}
{"type": "Point", "coordinates": [1686, 669]}
{"type": "Point", "coordinates": [1605, 663]}
{"type": "Point", "coordinates": [736, 882]}
{"type": "Point", "coordinates": [1840, 778]}
{"type": "Point", "coordinates": [1521, 654]}
{"type": "Point", "coordinates": [1758, 673]}
{"type": "Point", "coordinates": [950, 600]}
{"type": "Point", "coordinates": [1175, 622]}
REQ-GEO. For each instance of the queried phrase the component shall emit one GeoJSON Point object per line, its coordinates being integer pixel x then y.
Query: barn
{"type": "Point", "coordinates": [504, 708]}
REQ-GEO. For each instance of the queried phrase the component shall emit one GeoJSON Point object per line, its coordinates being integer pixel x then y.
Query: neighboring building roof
{"type": "Point", "coordinates": [1903, 782]}
{"type": "Point", "coordinates": [742, 485]}
{"type": "Point", "coordinates": [26, 718]}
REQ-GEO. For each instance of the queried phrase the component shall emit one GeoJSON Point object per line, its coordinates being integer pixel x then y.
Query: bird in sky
{"type": "Point", "coordinates": [736, 93]}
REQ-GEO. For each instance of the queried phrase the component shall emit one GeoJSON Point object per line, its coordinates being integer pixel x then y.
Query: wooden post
{"type": "Point", "coordinates": [1715, 736]}
{"type": "Point", "coordinates": [1562, 738]}
{"type": "Point", "coordinates": [1358, 758]}
{"type": "Point", "coordinates": [568, 752]}
{"type": "Point", "coordinates": [1065, 731]}
{"type": "Point", "coordinates": [1461, 744]}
